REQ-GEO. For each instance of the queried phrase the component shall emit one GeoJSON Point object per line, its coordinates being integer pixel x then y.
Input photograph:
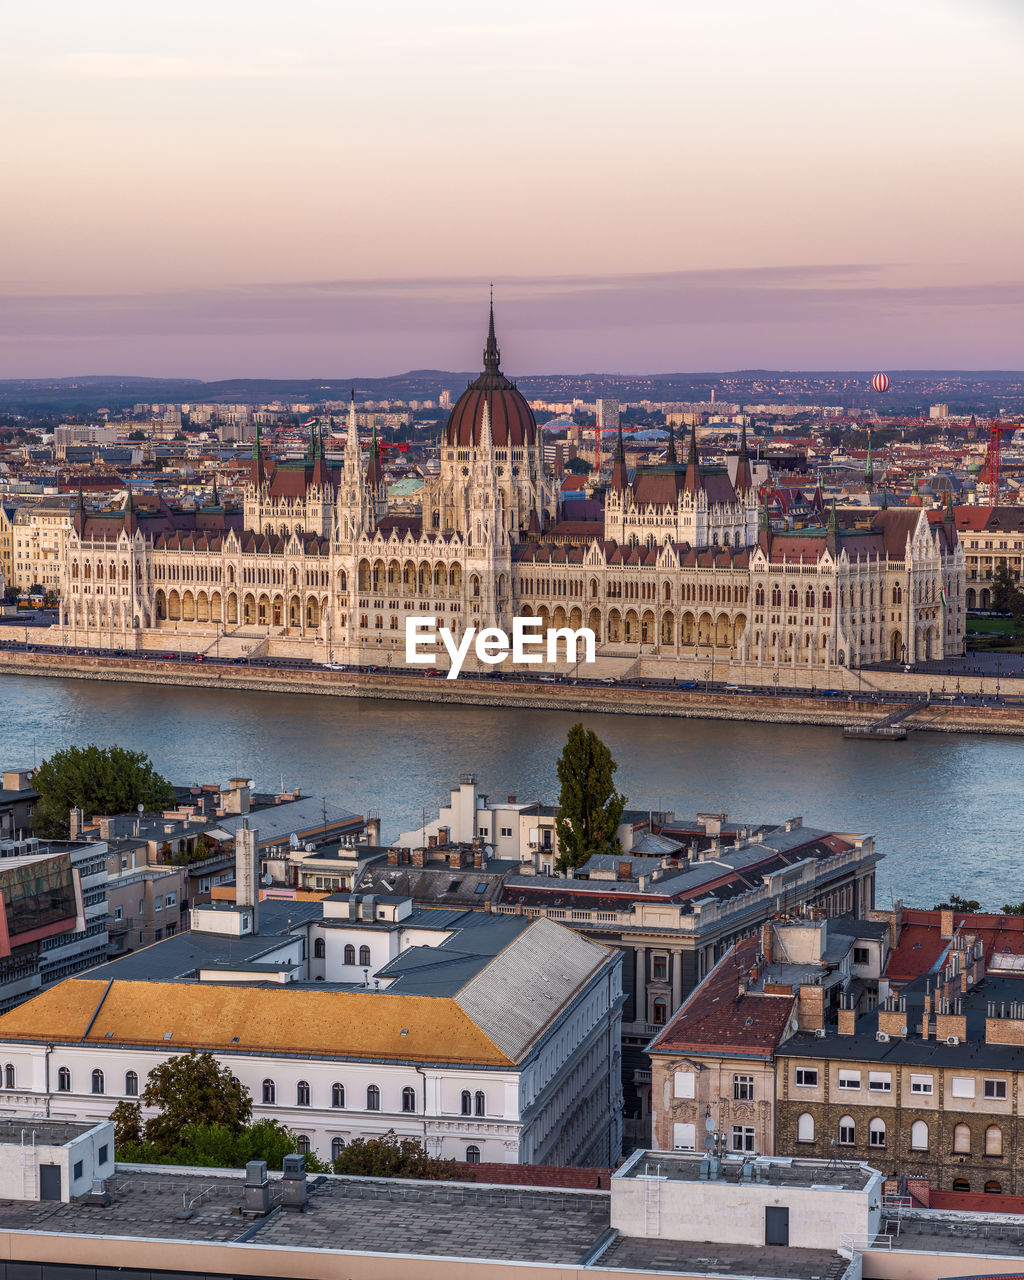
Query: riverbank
{"type": "Point", "coordinates": [692, 704]}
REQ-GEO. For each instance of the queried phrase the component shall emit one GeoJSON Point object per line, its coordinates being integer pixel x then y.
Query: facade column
{"type": "Point", "coordinates": [640, 986]}
{"type": "Point", "coordinates": [677, 979]}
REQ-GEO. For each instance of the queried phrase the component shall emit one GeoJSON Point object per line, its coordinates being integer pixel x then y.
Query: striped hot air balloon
{"type": "Point", "coordinates": [880, 382]}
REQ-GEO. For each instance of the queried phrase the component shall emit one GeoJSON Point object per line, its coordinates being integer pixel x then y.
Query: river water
{"type": "Point", "coordinates": [946, 810]}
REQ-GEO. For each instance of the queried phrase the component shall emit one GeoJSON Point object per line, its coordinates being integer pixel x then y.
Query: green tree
{"type": "Point", "coordinates": [956, 903]}
{"type": "Point", "coordinates": [127, 1118]}
{"type": "Point", "coordinates": [589, 807]}
{"type": "Point", "coordinates": [96, 780]}
{"type": "Point", "coordinates": [192, 1089]}
{"type": "Point", "coordinates": [392, 1157]}
{"type": "Point", "coordinates": [578, 467]}
{"type": "Point", "coordinates": [216, 1146]}
{"type": "Point", "coordinates": [1013, 909]}
{"type": "Point", "coordinates": [1003, 587]}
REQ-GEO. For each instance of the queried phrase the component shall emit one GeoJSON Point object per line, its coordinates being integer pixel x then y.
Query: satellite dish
{"type": "Point", "coordinates": [488, 851]}
{"type": "Point", "coordinates": [709, 1125]}
{"type": "Point", "coordinates": [268, 879]}
{"type": "Point", "coordinates": [293, 840]}
{"type": "Point", "coordinates": [709, 1143]}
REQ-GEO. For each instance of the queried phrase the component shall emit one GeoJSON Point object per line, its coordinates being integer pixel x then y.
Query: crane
{"type": "Point", "coordinates": [995, 428]}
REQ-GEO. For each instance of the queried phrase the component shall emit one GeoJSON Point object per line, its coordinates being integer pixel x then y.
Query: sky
{"type": "Point", "coordinates": [238, 188]}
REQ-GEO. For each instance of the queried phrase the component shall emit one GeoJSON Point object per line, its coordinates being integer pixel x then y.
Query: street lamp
{"type": "Point", "coordinates": [707, 677]}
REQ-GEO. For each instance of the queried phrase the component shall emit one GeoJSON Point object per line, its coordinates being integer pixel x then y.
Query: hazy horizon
{"type": "Point", "coordinates": [228, 190]}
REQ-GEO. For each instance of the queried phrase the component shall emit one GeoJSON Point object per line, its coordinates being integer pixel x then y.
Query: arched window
{"type": "Point", "coordinates": [467, 1103]}
{"type": "Point", "coordinates": [364, 955]}
{"type": "Point", "coordinates": [776, 597]}
{"type": "Point", "coordinates": [408, 1099]}
{"type": "Point", "coordinates": [472, 1154]}
{"type": "Point", "coordinates": [794, 598]}
{"type": "Point", "coordinates": [919, 1136]}
{"type": "Point", "coordinates": [876, 1133]}
{"type": "Point", "coordinates": [809, 598]}
{"type": "Point", "coordinates": [659, 1011]}
{"type": "Point", "coordinates": [337, 1147]}
{"type": "Point", "coordinates": [993, 1188]}
{"type": "Point", "coordinates": [9, 1076]}
{"type": "Point", "coordinates": [961, 1184]}
{"type": "Point", "coordinates": [97, 1081]}
{"type": "Point", "coordinates": [350, 954]}
{"type": "Point", "coordinates": [897, 594]}
{"type": "Point", "coordinates": [337, 1095]}
{"type": "Point", "coordinates": [302, 1144]}
{"type": "Point", "coordinates": [63, 1080]}
{"type": "Point", "coordinates": [302, 1093]}
{"type": "Point", "coordinates": [269, 1091]}
{"type": "Point", "coordinates": [826, 598]}
{"type": "Point", "coordinates": [993, 1140]}
{"type": "Point", "coordinates": [479, 1103]}
{"type": "Point", "coordinates": [373, 1098]}
{"type": "Point", "coordinates": [131, 1084]}
{"type": "Point", "coordinates": [805, 1128]}
{"type": "Point", "coordinates": [759, 597]}
{"type": "Point", "coordinates": [847, 1132]}
{"type": "Point", "coordinates": [962, 1140]}
{"type": "Point", "coordinates": [319, 949]}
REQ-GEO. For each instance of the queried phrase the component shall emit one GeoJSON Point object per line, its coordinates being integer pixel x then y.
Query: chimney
{"type": "Point", "coordinates": [946, 923]}
{"type": "Point", "coordinates": [478, 858]}
{"type": "Point", "coordinates": [77, 822]}
{"type": "Point", "coordinates": [419, 857]}
{"type": "Point", "coordinates": [247, 871]}
{"type": "Point", "coordinates": [256, 1192]}
{"type": "Point", "coordinates": [512, 800]}
{"type": "Point", "coordinates": [847, 1021]}
{"type": "Point", "coordinates": [432, 841]}
{"type": "Point", "coordinates": [373, 831]}
{"type": "Point", "coordinates": [237, 798]}
{"type": "Point", "coordinates": [624, 871]}
{"type": "Point", "coordinates": [107, 828]}
{"type": "Point", "coordinates": [293, 1183]}
{"type": "Point", "coordinates": [443, 835]}
{"type": "Point", "coordinates": [392, 857]}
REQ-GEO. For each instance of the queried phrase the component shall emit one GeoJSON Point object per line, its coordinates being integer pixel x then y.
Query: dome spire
{"type": "Point", "coordinates": [492, 356]}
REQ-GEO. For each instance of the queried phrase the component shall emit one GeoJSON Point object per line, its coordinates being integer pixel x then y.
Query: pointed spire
{"type": "Point", "coordinates": [950, 517]}
{"type": "Point", "coordinates": [257, 474]}
{"type": "Point", "coordinates": [256, 442]}
{"type": "Point", "coordinates": [215, 496]}
{"type": "Point", "coordinates": [670, 455]}
{"type": "Point", "coordinates": [374, 471]}
{"type": "Point", "coordinates": [312, 440]}
{"type": "Point", "coordinates": [693, 482]}
{"type": "Point", "coordinates": [80, 504]}
{"type": "Point", "coordinates": [744, 481]}
{"type": "Point", "coordinates": [352, 440]}
{"type": "Point", "coordinates": [486, 439]}
{"type": "Point", "coordinates": [915, 482]}
{"type": "Point", "coordinates": [764, 519]}
{"type": "Point", "coordinates": [492, 356]}
{"type": "Point", "coordinates": [620, 476]}
{"type": "Point", "coordinates": [833, 519]}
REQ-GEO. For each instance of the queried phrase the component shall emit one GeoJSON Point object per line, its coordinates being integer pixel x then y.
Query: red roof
{"type": "Point", "coordinates": [921, 944]}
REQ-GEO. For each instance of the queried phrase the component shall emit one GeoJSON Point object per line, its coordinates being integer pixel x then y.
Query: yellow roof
{"type": "Point", "coordinates": [340, 1024]}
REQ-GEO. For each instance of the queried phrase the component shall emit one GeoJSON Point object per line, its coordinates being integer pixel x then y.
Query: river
{"type": "Point", "coordinates": [946, 810]}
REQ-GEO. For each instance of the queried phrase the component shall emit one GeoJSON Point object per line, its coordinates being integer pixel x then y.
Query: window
{"type": "Point", "coordinates": [76, 1172]}
{"type": "Point", "coordinates": [170, 899]}
{"type": "Point", "coordinates": [408, 1099]}
{"type": "Point", "coordinates": [319, 949]}
{"type": "Point", "coordinates": [962, 1087]}
{"type": "Point", "coordinates": [847, 1132]}
{"type": "Point", "coordinates": [302, 1143]}
{"type": "Point", "coordinates": [742, 1138]}
{"type": "Point", "coordinates": [131, 1084]}
{"type": "Point", "coordinates": [962, 1140]}
{"type": "Point", "coordinates": [364, 955]}
{"type": "Point", "coordinates": [479, 1104]}
{"type": "Point", "coordinates": [467, 1103]}
{"type": "Point", "coordinates": [743, 1088]}
{"type": "Point", "coordinates": [472, 1154]}
{"type": "Point", "coordinates": [269, 1091]}
{"type": "Point", "coordinates": [805, 1128]}
{"type": "Point", "coordinates": [961, 1184]}
{"type": "Point", "coordinates": [97, 1081]}
{"type": "Point", "coordinates": [119, 913]}
{"type": "Point", "coordinates": [158, 903]}
{"type": "Point", "coordinates": [683, 1086]}
{"type": "Point", "coordinates": [919, 1136]}
{"type": "Point", "coordinates": [995, 1088]}
{"type": "Point", "coordinates": [993, 1140]}
{"type": "Point", "coordinates": [684, 1137]}
{"type": "Point", "coordinates": [103, 1155]}
{"type": "Point", "coordinates": [880, 1081]}
{"type": "Point", "coordinates": [659, 1012]}
{"type": "Point", "coordinates": [373, 1098]}
{"type": "Point", "coordinates": [337, 1095]}
{"type": "Point", "coordinates": [63, 1080]}
{"type": "Point", "coordinates": [920, 1084]}
{"type": "Point", "coordinates": [659, 968]}
{"type": "Point", "coordinates": [849, 1079]}
{"type": "Point", "coordinates": [993, 1188]}
{"type": "Point", "coordinates": [9, 1076]}
{"type": "Point", "coordinates": [861, 955]}
{"type": "Point", "coordinates": [807, 1076]}
{"type": "Point", "coordinates": [506, 831]}
{"type": "Point", "coordinates": [876, 1133]}
{"type": "Point", "coordinates": [302, 1093]}
{"type": "Point", "coordinates": [350, 954]}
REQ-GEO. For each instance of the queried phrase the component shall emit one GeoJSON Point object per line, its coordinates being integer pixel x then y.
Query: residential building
{"type": "Point", "coordinates": [40, 534]}
{"type": "Point", "coordinates": [990, 536]}
{"type": "Point", "coordinates": [17, 804]}
{"type": "Point", "coordinates": [487, 1039]}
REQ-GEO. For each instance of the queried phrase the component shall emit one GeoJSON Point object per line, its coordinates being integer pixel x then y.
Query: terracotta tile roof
{"type": "Point", "coordinates": [921, 944]}
{"type": "Point", "coordinates": [717, 1019]}
{"type": "Point", "coordinates": [340, 1024]}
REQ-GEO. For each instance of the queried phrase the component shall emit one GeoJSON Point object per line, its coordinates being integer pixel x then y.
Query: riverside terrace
{"type": "Point", "coordinates": [148, 1223]}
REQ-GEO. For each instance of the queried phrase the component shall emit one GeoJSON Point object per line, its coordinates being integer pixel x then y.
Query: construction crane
{"type": "Point", "coordinates": [995, 429]}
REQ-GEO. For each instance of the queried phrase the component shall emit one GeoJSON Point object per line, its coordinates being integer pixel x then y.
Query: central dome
{"type": "Point", "coordinates": [512, 421]}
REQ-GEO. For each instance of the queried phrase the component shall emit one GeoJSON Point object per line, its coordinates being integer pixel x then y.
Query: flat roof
{"type": "Point", "coordinates": [51, 1133]}
{"type": "Point", "coordinates": [776, 1171]}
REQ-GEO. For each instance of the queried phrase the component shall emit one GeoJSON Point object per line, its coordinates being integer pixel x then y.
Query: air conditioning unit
{"type": "Point", "coordinates": [819, 1033]}
{"type": "Point", "coordinates": [952, 1039]}
{"type": "Point", "coordinates": [882, 1037]}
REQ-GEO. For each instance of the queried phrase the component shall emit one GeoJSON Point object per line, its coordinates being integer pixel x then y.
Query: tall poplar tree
{"type": "Point", "coordinates": [589, 807]}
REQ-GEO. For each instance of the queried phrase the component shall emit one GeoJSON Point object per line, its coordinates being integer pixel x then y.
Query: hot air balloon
{"type": "Point", "coordinates": [880, 382]}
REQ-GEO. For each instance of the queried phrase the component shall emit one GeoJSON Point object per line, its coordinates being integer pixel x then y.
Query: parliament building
{"type": "Point", "coordinates": [684, 568]}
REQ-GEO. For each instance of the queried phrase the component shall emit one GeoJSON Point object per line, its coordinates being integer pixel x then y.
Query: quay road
{"type": "Point", "coordinates": [976, 708]}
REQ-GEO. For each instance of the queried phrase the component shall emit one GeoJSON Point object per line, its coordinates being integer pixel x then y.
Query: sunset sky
{"type": "Point", "coordinates": [220, 188]}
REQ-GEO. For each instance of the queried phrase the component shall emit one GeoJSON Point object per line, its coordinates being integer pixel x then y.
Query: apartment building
{"type": "Point", "coordinates": [39, 537]}
{"type": "Point", "coordinates": [990, 536]}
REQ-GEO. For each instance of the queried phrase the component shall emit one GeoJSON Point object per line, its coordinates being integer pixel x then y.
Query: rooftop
{"type": "Point", "coordinates": [776, 1171]}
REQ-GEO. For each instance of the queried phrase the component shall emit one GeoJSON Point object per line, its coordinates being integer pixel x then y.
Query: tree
{"type": "Point", "coordinates": [956, 903]}
{"type": "Point", "coordinates": [392, 1157]}
{"type": "Point", "coordinates": [589, 807]}
{"type": "Point", "coordinates": [1002, 587]}
{"type": "Point", "coordinates": [96, 780]}
{"type": "Point", "coordinates": [1013, 909]}
{"type": "Point", "coordinates": [127, 1118]}
{"type": "Point", "coordinates": [578, 467]}
{"type": "Point", "coordinates": [192, 1089]}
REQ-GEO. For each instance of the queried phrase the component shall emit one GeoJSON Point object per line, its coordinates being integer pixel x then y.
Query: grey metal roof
{"type": "Point", "coordinates": [277, 822]}
{"type": "Point", "coordinates": [528, 984]}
